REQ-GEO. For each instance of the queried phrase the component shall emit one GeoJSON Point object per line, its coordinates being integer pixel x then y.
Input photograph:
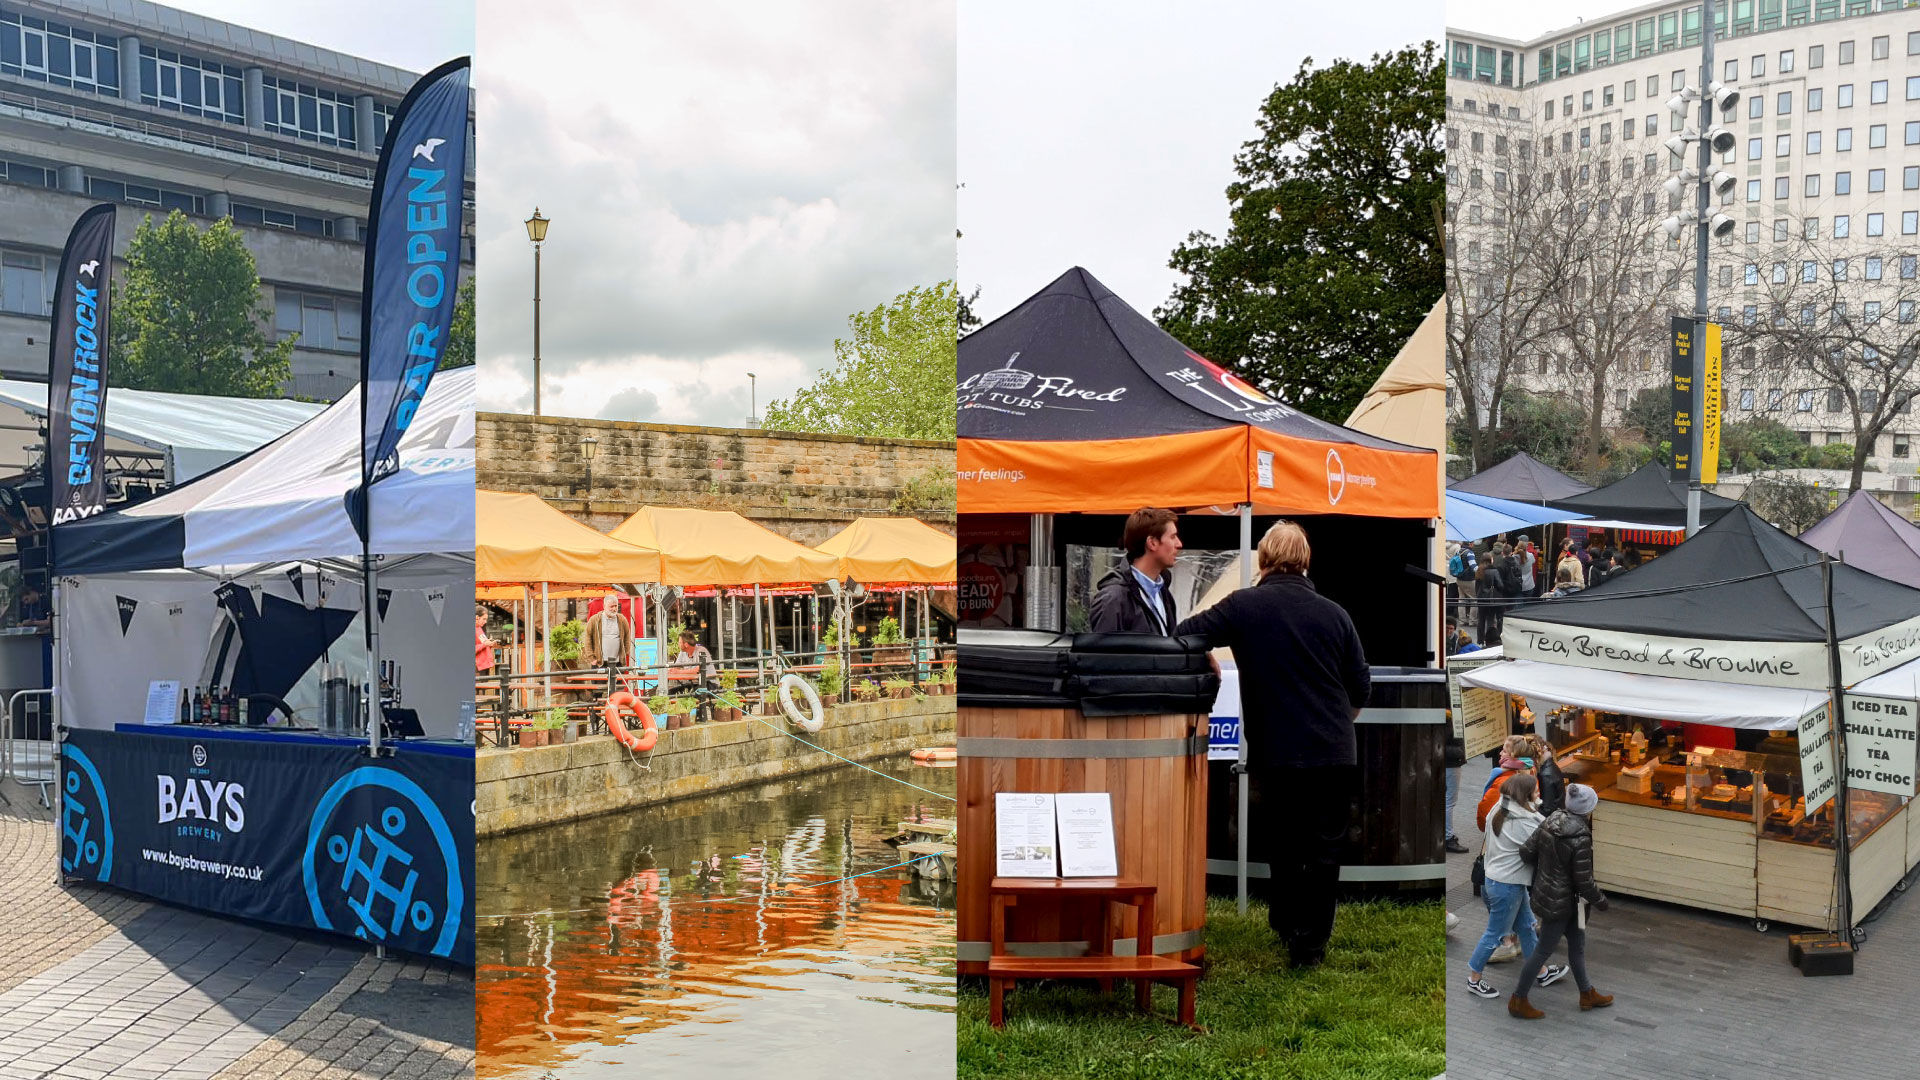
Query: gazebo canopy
{"type": "Point", "coordinates": [719, 547]}
{"type": "Point", "coordinates": [1740, 601]}
{"type": "Point", "coordinates": [1522, 478]}
{"type": "Point", "coordinates": [519, 538]}
{"type": "Point", "coordinates": [1075, 402]}
{"type": "Point", "coordinates": [1865, 533]}
{"type": "Point", "coordinates": [1645, 496]}
{"type": "Point", "coordinates": [880, 550]}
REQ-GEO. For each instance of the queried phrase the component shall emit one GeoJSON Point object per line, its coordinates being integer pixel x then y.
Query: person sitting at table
{"type": "Point", "coordinates": [692, 652]}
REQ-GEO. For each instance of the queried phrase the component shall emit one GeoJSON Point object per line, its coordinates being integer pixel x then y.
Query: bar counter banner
{"type": "Point", "coordinates": [310, 835]}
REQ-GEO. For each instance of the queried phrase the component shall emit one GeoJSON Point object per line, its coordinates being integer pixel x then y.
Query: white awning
{"type": "Point", "coordinates": [1693, 701]}
{"type": "Point", "coordinates": [196, 433]}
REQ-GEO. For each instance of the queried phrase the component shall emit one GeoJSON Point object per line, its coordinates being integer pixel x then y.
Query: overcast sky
{"type": "Point", "coordinates": [727, 183]}
{"type": "Point", "coordinates": [1100, 135]}
{"type": "Point", "coordinates": [1524, 20]}
{"type": "Point", "coordinates": [415, 37]}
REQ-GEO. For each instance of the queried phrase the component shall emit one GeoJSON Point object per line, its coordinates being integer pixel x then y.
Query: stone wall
{"type": "Point", "coordinates": [521, 789]}
{"type": "Point", "coordinates": [805, 487]}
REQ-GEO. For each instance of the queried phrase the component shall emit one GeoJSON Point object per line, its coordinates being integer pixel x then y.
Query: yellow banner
{"type": "Point", "coordinates": [1710, 407]}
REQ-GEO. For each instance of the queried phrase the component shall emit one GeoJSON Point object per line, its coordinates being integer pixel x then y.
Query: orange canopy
{"type": "Point", "coordinates": [876, 550]}
{"type": "Point", "coordinates": [520, 538]}
{"type": "Point", "coordinates": [719, 547]}
{"type": "Point", "coordinates": [1074, 401]}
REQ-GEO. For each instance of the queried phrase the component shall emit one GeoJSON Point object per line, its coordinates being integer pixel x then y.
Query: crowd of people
{"type": "Point", "coordinates": [1535, 875]}
{"type": "Point", "coordinates": [1486, 577]}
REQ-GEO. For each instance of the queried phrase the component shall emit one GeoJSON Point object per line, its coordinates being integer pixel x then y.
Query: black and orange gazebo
{"type": "Point", "coordinates": [1075, 402]}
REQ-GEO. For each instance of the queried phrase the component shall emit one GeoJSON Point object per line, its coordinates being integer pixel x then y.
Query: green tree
{"type": "Point", "coordinates": [188, 314]}
{"type": "Point", "coordinates": [893, 377]}
{"type": "Point", "coordinates": [1333, 254]}
{"type": "Point", "coordinates": [1550, 427]}
{"type": "Point", "coordinates": [459, 350]}
{"type": "Point", "coordinates": [1792, 504]}
{"type": "Point", "coordinates": [1650, 416]}
{"type": "Point", "coordinates": [1761, 443]}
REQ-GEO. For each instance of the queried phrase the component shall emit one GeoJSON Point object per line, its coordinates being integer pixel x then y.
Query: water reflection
{"type": "Point", "coordinates": [739, 931]}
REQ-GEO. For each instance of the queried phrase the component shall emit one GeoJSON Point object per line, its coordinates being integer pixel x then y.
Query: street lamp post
{"type": "Point", "coordinates": [588, 444]}
{"type": "Point", "coordinates": [536, 232]}
{"type": "Point", "coordinates": [753, 401]}
{"type": "Point", "coordinates": [1696, 430]}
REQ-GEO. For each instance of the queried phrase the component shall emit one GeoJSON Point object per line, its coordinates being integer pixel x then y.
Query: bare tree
{"type": "Point", "coordinates": [1842, 321]}
{"type": "Point", "coordinates": [1501, 275]}
{"type": "Point", "coordinates": [1563, 257]}
{"type": "Point", "coordinates": [1622, 273]}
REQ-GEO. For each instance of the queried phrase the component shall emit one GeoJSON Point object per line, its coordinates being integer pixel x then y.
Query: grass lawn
{"type": "Point", "coordinates": [1376, 1010]}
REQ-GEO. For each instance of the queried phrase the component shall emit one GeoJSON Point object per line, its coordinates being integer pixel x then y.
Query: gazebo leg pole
{"type": "Point", "coordinates": [1240, 765]}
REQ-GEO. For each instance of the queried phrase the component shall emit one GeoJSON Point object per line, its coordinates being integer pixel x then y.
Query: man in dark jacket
{"type": "Point", "coordinates": [1138, 598]}
{"type": "Point", "coordinates": [1303, 680]}
{"type": "Point", "coordinates": [1561, 851]}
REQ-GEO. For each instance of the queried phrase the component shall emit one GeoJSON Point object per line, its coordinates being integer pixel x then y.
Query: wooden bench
{"type": "Point", "coordinates": [1099, 964]}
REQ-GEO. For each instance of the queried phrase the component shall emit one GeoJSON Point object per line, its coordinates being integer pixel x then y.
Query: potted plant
{"type": "Point", "coordinates": [529, 734]}
{"type": "Point", "coordinates": [727, 705]}
{"type": "Point", "coordinates": [657, 706]}
{"type": "Point", "coordinates": [686, 708]}
{"type": "Point", "coordinates": [866, 690]}
{"type": "Point", "coordinates": [830, 682]}
{"type": "Point", "coordinates": [888, 644]}
{"type": "Point", "coordinates": [563, 644]}
{"type": "Point", "coordinates": [898, 688]}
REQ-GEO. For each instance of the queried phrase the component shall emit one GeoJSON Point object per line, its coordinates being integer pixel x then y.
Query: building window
{"type": "Point", "coordinates": [1842, 224]}
{"type": "Point", "coordinates": [1813, 185]}
{"type": "Point", "coordinates": [1880, 48]}
{"type": "Point", "coordinates": [1782, 145]}
{"type": "Point", "coordinates": [26, 283]}
{"type": "Point", "coordinates": [1746, 397]}
{"type": "Point", "coordinates": [1786, 62]}
{"type": "Point", "coordinates": [1900, 445]}
{"type": "Point", "coordinates": [1816, 56]}
{"type": "Point", "coordinates": [1780, 187]}
{"type": "Point", "coordinates": [1877, 92]}
{"type": "Point", "coordinates": [1836, 399]}
{"type": "Point", "coordinates": [1876, 224]}
{"type": "Point", "coordinates": [310, 113]}
{"type": "Point", "coordinates": [1846, 52]}
{"type": "Point", "coordinates": [1906, 267]}
{"type": "Point", "coordinates": [1775, 400]}
{"type": "Point", "coordinates": [1803, 402]}
{"type": "Point", "coordinates": [1756, 107]}
{"type": "Point", "coordinates": [1870, 312]}
{"type": "Point", "coordinates": [184, 84]}
{"type": "Point", "coordinates": [1813, 142]}
{"type": "Point", "coordinates": [1753, 191]}
{"type": "Point", "coordinates": [136, 193]}
{"type": "Point", "coordinates": [323, 322]}
{"type": "Point", "coordinates": [1844, 95]}
{"type": "Point", "coordinates": [1909, 222]}
{"type": "Point", "coordinates": [1843, 140]}
{"type": "Point", "coordinates": [1876, 179]}
{"type": "Point", "coordinates": [1753, 274]}
{"type": "Point", "coordinates": [1815, 99]}
{"type": "Point", "coordinates": [57, 54]}
{"type": "Point", "coordinates": [1874, 268]}
{"type": "Point", "coordinates": [1876, 136]}
{"type": "Point", "coordinates": [1843, 183]}
{"type": "Point", "coordinates": [1809, 271]}
{"type": "Point", "coordinates": [1783, 103]}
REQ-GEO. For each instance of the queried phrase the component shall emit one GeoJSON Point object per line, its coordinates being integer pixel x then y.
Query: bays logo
{"type": "Point", "coordinates": [381, 863]}
{"type": "Point", "coordinates": [86, 831]}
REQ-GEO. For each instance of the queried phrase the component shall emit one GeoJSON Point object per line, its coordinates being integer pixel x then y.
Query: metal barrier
{"type": "Point", "coordinates": [26, 757]}
{"type": "Point", "coordinates": [518, 696]}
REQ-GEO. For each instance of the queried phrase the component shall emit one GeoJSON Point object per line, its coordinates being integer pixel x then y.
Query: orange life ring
{"type": "Point", "coordinates": [649, 734]}
{"type": "Point", "coordinates": [935, 753]}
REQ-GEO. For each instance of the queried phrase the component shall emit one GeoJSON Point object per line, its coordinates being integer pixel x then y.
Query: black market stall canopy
{"type": "Point", "coordinates": [1522, 478]}
{"type": "Point", "coordinates": [1075, 402]}
{"type": "Point", "coordinates": [1645, 496]}
{"type": "Point", "coordinates": [1740, 601]}
{"type": "Point", "coordinates": [1866, 534]}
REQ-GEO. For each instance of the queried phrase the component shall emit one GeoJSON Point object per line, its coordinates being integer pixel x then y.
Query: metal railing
{"type": "Point", "coordinates": [27, 742]}
{"type": "Point", "coordinates": [206, 140]}
{"type": "Point", "coordinates": [512, 699]}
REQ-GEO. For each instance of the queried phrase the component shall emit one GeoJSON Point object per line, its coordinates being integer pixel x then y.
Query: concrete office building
{"type": "Point", "coordinates": [159, 109]}
{"type": "Point", "coordinates": [1826, 159]}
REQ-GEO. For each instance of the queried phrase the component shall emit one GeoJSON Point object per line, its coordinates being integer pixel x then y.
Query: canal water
{"type": "Point", "coordinates": [719, 935]}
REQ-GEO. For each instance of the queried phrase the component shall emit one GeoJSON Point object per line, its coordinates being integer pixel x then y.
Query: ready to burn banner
{"type": "Point", "coordinates": [307, 833]}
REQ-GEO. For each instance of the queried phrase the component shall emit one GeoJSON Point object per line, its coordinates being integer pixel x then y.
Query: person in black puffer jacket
{"type": "Point", "coordinates": [1561, 852]}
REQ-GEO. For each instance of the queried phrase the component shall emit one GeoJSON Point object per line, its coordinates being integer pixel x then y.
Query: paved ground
{"type": "Point", "coordinates": [98, 983]}
{"type": "Point", "coordinates": [1697, 996]}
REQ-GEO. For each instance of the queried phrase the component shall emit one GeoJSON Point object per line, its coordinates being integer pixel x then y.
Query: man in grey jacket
{"type": "Point", "coordinates": [1137, 598]}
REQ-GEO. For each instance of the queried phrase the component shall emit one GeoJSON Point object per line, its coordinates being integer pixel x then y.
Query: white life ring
{"type": "Point", "coordinates": [810, 722]}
